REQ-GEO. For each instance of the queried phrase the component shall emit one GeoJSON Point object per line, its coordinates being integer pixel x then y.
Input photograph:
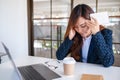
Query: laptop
{"type": "Point", "coordinates": [32, 72]}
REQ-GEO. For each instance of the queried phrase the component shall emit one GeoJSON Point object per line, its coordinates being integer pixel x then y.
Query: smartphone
{"type": "Point", "coordinates": [102, 17]}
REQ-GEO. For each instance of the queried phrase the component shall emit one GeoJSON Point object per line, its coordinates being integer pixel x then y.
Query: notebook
{"type": "Point", "coordinates": [91, 77]}
{"type": "Point", "coordinates": [32, 72]}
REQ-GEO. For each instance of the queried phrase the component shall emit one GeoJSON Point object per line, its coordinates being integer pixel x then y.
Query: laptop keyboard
{"type": "Point", "coordinates": [29, 73]}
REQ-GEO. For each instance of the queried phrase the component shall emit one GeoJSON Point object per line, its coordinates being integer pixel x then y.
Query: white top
{"type": "Point", "coordinates": [85, 48]}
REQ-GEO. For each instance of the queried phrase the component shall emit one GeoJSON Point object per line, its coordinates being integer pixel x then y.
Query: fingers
{"type": "Point", "coordinates": [93, 25]}
{"type": "Point", "coordinates": [71, 34]}
{"type": "Point", "coordinates": [94, 20]}
{"type": "Point", "coordinates": [90, 23]}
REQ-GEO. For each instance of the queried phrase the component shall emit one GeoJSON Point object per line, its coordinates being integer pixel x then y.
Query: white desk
{"type": "Point", "coordinates": [7, 72]}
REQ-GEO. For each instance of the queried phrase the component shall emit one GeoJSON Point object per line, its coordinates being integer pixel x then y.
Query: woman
{"type": "Point", "coordinates": [85, 39]}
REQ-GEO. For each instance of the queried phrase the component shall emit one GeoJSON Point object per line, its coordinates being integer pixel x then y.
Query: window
{"type": "Point", "coordinates": [49, 20]}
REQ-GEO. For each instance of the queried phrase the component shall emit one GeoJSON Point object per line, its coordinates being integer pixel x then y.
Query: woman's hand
{"type": "Point", "coordinates": [93, 25]}
{"type": "Point", "coordinates": [71, 34]}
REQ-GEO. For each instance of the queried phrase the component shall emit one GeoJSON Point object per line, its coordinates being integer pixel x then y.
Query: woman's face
{"type": "Point", "coordinates": [81, 27]}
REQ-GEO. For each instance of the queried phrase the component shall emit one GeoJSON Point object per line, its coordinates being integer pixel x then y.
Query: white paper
{"type": "Point", "coordinates": [102, 17]}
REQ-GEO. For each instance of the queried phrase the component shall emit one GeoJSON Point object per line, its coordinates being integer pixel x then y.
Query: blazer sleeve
{"type": "Point", "coordinates": [63, 50]}
{"type": "Point", "coordinates": [103, 41]}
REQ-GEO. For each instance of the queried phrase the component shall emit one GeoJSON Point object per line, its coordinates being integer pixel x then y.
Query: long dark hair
{"type": "Point", "coordinates": [81, 10]}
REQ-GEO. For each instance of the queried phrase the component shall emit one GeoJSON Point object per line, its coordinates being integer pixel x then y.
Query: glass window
{"type": "Point", "coordinates": [50, 20]}
{"type": "Point", "coordinates": [41, 9]}
{"type": "Point", "coordinates": [113, 9]}
{"type": "Point", "coordinates": [91, 3]}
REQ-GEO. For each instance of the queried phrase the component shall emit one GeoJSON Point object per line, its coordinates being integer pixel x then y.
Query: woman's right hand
{"type": "Point", "coordinates": [71, 34]}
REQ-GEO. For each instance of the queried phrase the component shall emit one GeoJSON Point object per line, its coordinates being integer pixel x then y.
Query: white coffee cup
{"type": "Point", "coordinates": [69, 64]}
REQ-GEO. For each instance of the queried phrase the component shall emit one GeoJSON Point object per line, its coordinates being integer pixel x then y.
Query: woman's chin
{"type": "Point", "coordinates": [85, 36]}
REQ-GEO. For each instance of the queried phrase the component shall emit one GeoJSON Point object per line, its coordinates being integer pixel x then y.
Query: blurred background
{"type": "Point", "coordinates": [50, 18]}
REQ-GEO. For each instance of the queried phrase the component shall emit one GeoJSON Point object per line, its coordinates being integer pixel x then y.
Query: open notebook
{"type": "Point", "coordinates": [32, 72]}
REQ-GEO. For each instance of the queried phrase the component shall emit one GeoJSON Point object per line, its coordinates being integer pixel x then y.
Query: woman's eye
{"type": "Point", "coordinates": [82, 26]}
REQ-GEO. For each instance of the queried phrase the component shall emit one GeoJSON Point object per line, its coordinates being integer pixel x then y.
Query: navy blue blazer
{"type": "Point", "coordinates": [100, 50]}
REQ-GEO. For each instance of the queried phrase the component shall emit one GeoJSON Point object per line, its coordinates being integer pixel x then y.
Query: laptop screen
{"type": "Point", "coordinates": [8, 53]}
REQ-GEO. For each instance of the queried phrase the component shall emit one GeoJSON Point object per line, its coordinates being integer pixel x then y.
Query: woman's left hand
{"type": "Point", "coordinates": [93, 25]}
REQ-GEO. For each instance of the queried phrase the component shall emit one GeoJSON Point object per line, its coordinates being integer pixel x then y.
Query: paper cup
{"type": "Point", "coordinates": [68, 64]}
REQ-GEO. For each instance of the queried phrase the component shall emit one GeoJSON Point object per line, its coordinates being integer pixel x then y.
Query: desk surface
{"type": "Point", "coordinates": [111, 73]}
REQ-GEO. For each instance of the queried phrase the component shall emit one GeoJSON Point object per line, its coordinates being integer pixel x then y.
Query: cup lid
{"type": "Point", "coordinates": [69, 60]}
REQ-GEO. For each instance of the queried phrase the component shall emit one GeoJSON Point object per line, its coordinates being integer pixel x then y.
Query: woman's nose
{"type": "Point", "coordinates": [86, 29]}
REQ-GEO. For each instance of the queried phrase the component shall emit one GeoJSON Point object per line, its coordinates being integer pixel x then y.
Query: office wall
{"type": "Point", "coordinates": [13, 26]}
